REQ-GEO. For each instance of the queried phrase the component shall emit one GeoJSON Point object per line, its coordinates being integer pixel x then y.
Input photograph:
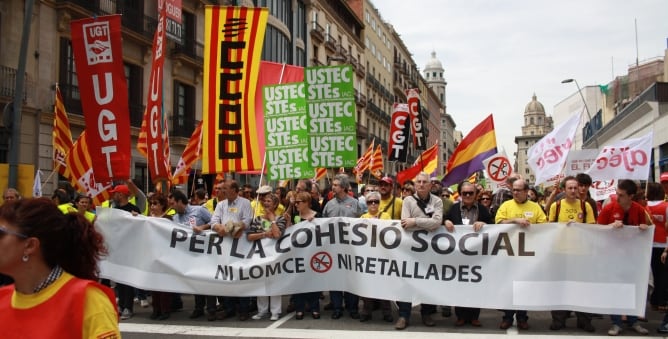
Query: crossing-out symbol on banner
{"type": "Point", "coordinates": [321, 262]}
{"type": "Point", "coordinates": [499, 168]}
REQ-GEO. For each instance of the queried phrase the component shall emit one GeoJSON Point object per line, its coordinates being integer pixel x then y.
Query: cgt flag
{"type": "Point", "coordinates": [399, 133]}
{"type": "Point", "coordinates": [232, 52]}
{"type": "Point", "coordinates": [417, 120]}
{"type": "Point", "coordinates": [98, 54]}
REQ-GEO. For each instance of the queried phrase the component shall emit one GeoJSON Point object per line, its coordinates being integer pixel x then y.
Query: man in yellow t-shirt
{"type": "Point", "coordinates": [570, 209]}
{"type": "Point", "coordinates": [523, 212]}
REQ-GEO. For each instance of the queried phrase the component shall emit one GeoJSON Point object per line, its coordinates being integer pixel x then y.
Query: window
{"type": "Point", "coordinates": [183, 121]}
{"type": "Point", "coordinates": [68, 82]}
{"type": "Point", "coordinates": [300, 26]}
{"type": "Point", "coordinates": [133, 77]}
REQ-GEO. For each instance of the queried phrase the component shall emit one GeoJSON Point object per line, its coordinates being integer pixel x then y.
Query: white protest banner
{"type": "Point", "coordinates": [602, 189]}
{"type": "Point", "coordinates": [624, 159]}
{"type": "Point", "coordinates": [580, 267]}
{"type": "Point", "coordinates": [579, 161]}
{"type": "Point", "coordinates": [548, 155]}
{"type": "Point", "coordinates": [498, 169]}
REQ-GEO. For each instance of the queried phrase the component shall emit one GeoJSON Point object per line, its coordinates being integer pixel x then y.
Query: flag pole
{"type": "Point", "coordinates": [53, 171]}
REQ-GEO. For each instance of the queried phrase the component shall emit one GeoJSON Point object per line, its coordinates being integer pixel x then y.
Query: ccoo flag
{"type": "Point", "coordinates": [478, 145]}
{"type": "Point", "coordinates": [232, 51]}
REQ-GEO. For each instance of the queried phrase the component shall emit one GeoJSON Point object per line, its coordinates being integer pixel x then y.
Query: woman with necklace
{"type": "Point", "coordinates": [305, 213]}
{"type": "Point", "coordinates": [268, 225]}
{"type": "Point", "coordinates": [52, 258]}
{"type": "Point", "coordinates": [374, 212]}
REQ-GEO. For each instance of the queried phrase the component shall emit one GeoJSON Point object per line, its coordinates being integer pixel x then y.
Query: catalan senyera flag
{"type": "Point", "coordinates": [477, 146]}
{"type": "Point", "coordinates": [232, 51]}
{"type": "Point", "coordinates": [80, 172]}
{"type": "Point", "coordinates": [376, 163]}
{"type": "Point", "coordinates": [191, 153]}
{"type": "Point", "coordinates": [429, 160]}
{"type": "Point", "coordinates": [473, 178]}
{"type": "Point", "coordinates": [62, 135]}
{"type": "Point", "coordinates": [365, 159]}
{"type": "Point", "coordinates": [320, 173]}
{"type": "Point", "coordinates": [425, 160]}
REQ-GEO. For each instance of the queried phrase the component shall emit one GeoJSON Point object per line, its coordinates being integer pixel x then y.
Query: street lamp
{"type": "Point", "coordinates": [593, 136]}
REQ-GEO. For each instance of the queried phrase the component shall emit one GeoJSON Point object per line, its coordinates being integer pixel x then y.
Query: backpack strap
{"type": "Point", "coordinates": [556, 215]}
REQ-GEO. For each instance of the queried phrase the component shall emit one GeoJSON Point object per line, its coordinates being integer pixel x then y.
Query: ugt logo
{"type": "Point", "coordinates": [97, 40]}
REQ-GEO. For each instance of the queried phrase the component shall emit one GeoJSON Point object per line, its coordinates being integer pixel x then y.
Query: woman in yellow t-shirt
{"type": "Point", "coordinates": [52, 258]}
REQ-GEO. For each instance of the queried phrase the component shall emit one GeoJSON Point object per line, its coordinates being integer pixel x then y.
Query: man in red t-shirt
{"type": "Point", "coordinates": [620, 212]}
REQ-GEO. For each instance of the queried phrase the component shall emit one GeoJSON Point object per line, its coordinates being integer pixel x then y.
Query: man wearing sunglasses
{"type": "Point", "coordinates": [389, 203]}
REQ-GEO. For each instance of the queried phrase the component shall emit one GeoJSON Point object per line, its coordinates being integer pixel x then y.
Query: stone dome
{"type": "Point", "coordinates": [433, 63]}
{"type": "Point", "coordinates": [534, 106]}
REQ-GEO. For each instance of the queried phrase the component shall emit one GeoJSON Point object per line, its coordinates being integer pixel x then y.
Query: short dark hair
{"type": "Point", "coordinates": [628, 186]}
{"type": "Point", "coordinates": [200, 193]}
{"type": "Point", "coordinates": [583, 179]}
{"type": "Point", "coordinates": [178, 195]}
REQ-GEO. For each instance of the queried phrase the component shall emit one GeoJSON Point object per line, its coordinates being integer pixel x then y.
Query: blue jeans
{"type": "Point", "coordinates": [352, 301]}
{"type": "Point", "coordinates": [617, 319]}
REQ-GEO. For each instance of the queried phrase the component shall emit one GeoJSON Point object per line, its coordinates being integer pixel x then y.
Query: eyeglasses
{"type": "Point", "coordinates": [468, 193]}
{"type": "Point", "coordinates": [4, 230]}
{"type": "Point", "coordinates": [445, 195]}
{"type": "Point", "coordinates": [485, 198]}
{"type": "Point", "coordinates": [372, 202]}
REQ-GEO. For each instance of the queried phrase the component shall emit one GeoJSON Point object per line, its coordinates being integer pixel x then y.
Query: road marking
{"type": "Point", "coordinates": [281, 321]}
{"type": "Point", "coordinates": [270, 332]}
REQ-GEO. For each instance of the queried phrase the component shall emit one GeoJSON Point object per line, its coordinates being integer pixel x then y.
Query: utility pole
{"type": "Point", "coordinates": [15, 140]}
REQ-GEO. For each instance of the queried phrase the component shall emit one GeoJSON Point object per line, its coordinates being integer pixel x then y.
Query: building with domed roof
{"type": "Point", "coordinates": [536, 126]}
{"type": "Point", "coordinates": [434, 78]}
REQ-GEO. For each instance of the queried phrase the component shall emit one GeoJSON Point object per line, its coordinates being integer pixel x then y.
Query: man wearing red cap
{"type": "Point", "coordinates": [389, 203]}
{"type": "Point", "coordinates": [664, 182]}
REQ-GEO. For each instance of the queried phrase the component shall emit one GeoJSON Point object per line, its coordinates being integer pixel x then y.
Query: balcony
{"type": "Point", "coordinates": [361, 70]}
{"type": "Point", "coordinates": [183, 126]}
{"type": "Point", "coordinates": [317, 32]}
{"type": "Point", "coordinates": [362, 131]}
{"type": "Point", "coordinates": [135, 24]}
{"type": "Point", "coordinates": [330, 43]}
{"type": "Point", "coordinates": [191, 54]}
{"type": "Point", "coordinates": [316, 62]}
{"type": "Point", "coordinates": [8, 84]}
{"type": "Point", "coordinates": [360, 99]}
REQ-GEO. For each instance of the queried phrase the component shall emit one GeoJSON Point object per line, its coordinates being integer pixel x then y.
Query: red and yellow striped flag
{"type": "Point", "coordinates": [363, 162]}
{"type": "Point", "coordinates": [320, 173]}
{"type": "Point", "coordinates": [376, 163]}
{"type": "Point", "coordinates": [232, 52]}
{"type": "Point", "coordinates": [62, 135]}
{"type": "Point", "coordinates": [191, 153]}
{"type": "Point", "coordinates": [80, 172]}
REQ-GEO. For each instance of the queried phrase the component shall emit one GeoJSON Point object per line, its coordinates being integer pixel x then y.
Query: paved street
{"type": "Point", "coordinates": [140, 326]}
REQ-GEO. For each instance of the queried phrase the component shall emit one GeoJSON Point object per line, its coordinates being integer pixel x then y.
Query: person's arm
{"type": "Point", "coordinates": [140, 197]}
{"type": "Point", "coordinates": [99, 316]}
{"type": "Point", "coordinates": [203, 214]}
{"type": "Point", "coordinates": [590, 214]}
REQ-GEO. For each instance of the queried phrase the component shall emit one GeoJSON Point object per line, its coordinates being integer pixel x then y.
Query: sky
{"type": "Point", "coordinates": [497, 54]}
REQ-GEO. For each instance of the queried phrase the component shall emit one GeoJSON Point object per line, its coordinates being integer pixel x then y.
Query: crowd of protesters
{"type": "Point", "coordinates": [235, 210]}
